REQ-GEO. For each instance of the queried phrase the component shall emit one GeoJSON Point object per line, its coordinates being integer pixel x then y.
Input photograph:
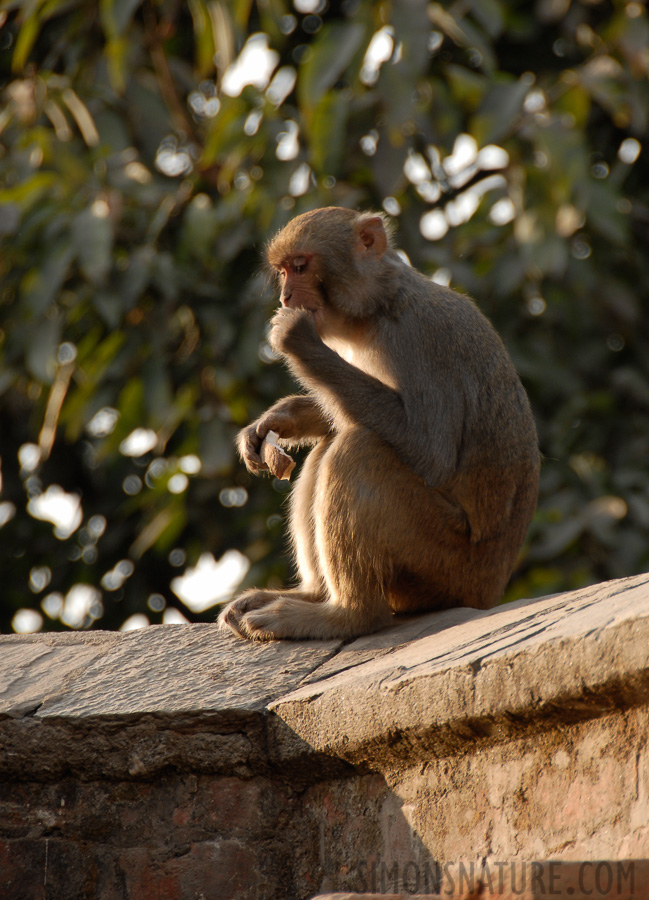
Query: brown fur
{"type": "Point", "coordinates": [423, 479]}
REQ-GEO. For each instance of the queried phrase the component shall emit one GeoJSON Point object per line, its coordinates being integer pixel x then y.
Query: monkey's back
{"type": "Point", "coordinates": [478, 441]}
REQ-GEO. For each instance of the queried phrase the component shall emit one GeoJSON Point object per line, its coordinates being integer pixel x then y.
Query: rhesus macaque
{"type": "Point", "coordinates": [423, 476]}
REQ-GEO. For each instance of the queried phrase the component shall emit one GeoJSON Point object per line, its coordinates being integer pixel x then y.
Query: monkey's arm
{"type": "Point", "coordinates": [297, 419]}
{"type": "Point", "coordinates": [424, 426]}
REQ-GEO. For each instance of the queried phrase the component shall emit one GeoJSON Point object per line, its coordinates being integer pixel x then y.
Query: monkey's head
{"type": "Point", "coordinates": [335, 257]}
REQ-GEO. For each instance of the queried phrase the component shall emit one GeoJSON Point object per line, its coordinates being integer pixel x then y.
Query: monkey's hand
{"type": "Point", "coordinates": [293, 331]}
{"type": "Point", "coordinates": [250, 439]}
{"type": "Point", "coordinates": [248, 444]}
{"type": "Point", "coordinates": [298, 420]}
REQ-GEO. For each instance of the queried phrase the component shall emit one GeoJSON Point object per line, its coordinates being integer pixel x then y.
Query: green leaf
{"type": "Point", "coordinates": [496, 117]}
{"type": "Point", "coordinates": [97, 357]}
{"type": "Point", "coordinates": [468, 87]}
{"type": "Point", "coordinates": [203, 36]}
{"type": "Point", "coordinates": [109, 306]}
{"type": "Point", "coordinates": [328, 133]}
{"type": "Point", "coordinates": [25, 41]}
{"type": "Point", "coordinates": [576, 102]}
{"type": "Point", "coordinates": [331, 53]}
{"type": "Point", "coordinates": [92, 238]}
{"type": "Point", "coordinates": [117, 50]}
{"type": "Point", "coordinates": [199, 228]}
{"type": "Point", "coordinates": [602, 77]}
{"type": "Point", "coordinates": [42, 283]}
{"type": "Point", "coordinates": [399, 108]}
{"type": "Point", "coordinates": [407, 17]}
{"type": "Point", "coordinates": [29, 192]}
{"type": "Point", "coordinates": [133, 281]}
{"type": "Point", "coordinates": [490, 14]}
{"type": "Point", "coordinates": [241, 12]}
{"type": "Point", "coordinates": [131, 407]}
{"type": "Point", "coordinates": [9, 218]}
{"type": "Point", "coordinates": [162, 531]}
{"type": "Point", "coordinates": [463, 33]}
{"type": "Point", "coordinates": [157, 390]}
{"type": "Point", "coordinates": [603, 214]}
{"type": "Point", "coordinates": [42, 346]}
{"type": "Point", "coordinates": [216, 447]}
{"type": "Point", "coordinates": [558, 538]}
{"type": "Point", "coordinates": [117, 15]}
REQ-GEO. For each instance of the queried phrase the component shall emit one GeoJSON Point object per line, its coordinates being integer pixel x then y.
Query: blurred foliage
{"type": "Point", "coordinates": [139, 180]}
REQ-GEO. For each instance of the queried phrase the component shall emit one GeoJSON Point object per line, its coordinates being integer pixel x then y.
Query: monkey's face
{"type": "Point", "coordinates": [331, 262]}
{"type": "Point", "coordinates": [301, 287]}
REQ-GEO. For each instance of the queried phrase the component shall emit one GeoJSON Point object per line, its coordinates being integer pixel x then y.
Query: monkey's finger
{"type": "Point", "coordinates": [254, 463]}
{"type": "Point", "coordinates": [249, 439]}
{"type": "Point", "coordinates": [233, 616]}
{"type": "Point", "coordinates": [262, 430]}
{"type": "Point", "coordinates": [230, 620]}
{"type": "Point", "coordinates": [249, 448]}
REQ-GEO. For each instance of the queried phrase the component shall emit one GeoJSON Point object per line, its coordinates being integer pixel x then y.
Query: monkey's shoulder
{"type": "Point", "coordinates": [450, 327]}
{"type": "Point", "coordinates": [457, 309]}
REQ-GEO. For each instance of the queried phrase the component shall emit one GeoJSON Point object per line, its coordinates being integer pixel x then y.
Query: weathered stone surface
{"type": "Point", "coordinates": [176, 837]}
{"type": "Point", "coordinates": [404, 631]}
{"type": "Point", "coordinates": [132, 705]}
{"type": "Point", "coordinates": [484, 674]}
{"type": "Point", "coordinates": [162, 669]}
{"type": "Point", "coordinates": [33, 667]}
{"type": "Point", "coordinates": [178, 762]}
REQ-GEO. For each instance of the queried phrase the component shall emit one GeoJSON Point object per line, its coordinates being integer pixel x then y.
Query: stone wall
{"type": "Point", "coordinates": [177, 762]}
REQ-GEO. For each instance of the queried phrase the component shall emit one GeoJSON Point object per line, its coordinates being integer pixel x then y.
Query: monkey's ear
{"type": "Point", "coordinates": [371, 236]}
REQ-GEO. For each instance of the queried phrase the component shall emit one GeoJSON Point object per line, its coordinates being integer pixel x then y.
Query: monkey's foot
{"type": "Point", "coordinates": [275, 615]}
{"type": "Point", "coordinates": [234, 614]}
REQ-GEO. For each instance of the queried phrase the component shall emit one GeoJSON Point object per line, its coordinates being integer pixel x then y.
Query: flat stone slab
{"type": "Point", "coordinates": [107, 704]}
{"type": "Point", "coordinates": [163, 669]}
{"type": "Point", "coordinates": [129, 705]}
{"type": "Point", "coordinates": [469, 674]}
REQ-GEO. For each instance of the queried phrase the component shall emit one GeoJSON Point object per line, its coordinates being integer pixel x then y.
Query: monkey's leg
{"type": "Point", "coordinates": [384, 542]}
{"type": "Point", "coordinates": [234, 615]}
{"type": "Point", "coordinates": [302, 521]}
{"type": "Point", "coordinates": [341, 551]}
{"type": "Point", "coordinates": [389, 543]}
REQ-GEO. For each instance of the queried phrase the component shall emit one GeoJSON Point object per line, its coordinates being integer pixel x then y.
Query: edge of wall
{"type": "Point", "coordinates": [526, 665]}
{"type": "Point", "coordinates": [191, 698]}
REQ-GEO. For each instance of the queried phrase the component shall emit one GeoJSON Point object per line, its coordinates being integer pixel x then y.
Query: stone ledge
{"type": "Point", "coordinates": [478, 675]}
{"type": "Point", "coordinates": [193, 699]}
{"type": "Point", "coordinates": [131, 705]}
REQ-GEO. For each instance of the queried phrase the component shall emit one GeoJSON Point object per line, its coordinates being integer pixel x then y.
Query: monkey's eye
{"type": "Point", "coordinates": [299, 265]}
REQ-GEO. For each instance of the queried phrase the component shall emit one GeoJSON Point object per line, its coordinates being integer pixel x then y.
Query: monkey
{"type": "Point", "coordinates": [422, 476]}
